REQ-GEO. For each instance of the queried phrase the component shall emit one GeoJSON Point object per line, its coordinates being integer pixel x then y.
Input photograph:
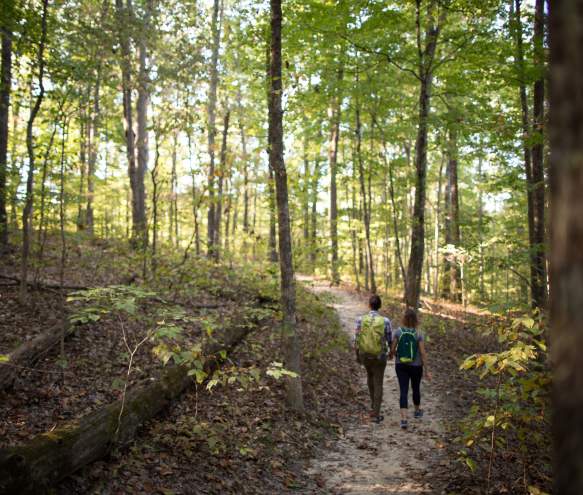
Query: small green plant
{"type": "Point", "coordinates": [517, 403]}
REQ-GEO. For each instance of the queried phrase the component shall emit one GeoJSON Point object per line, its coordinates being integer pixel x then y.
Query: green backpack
{"type": "Point", "coordinates": [408, 345]}
{"type": "Point", "coordinates": [371, 336]}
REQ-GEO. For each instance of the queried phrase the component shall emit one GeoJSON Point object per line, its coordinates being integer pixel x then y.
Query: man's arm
{"type": "Point", "coordinates": [356, 331]}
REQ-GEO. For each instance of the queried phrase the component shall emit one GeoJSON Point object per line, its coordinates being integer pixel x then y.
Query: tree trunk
{"type": "Point", "coordinates": [52, 456]}
{"type": "Point", "coordinates": [516, 31]}
{"type": "Point", "coordinates": [29, 353]}
{"type": "Point", "coordinates": [5, 87]}
{"type": "Point", "coordinates": [351, 225]}
{"type": "Point", "coordinates": [221, 173]}
{"type": "Point", "coordinates": [437, 228]}
{"type": "Point", "coordinates": [566, 138]}
{"type": "Point", "coordinates": [83, 125]}
{"type": "Point", "coordinates": [539, 288]}
{"type": "Point", "coordinates": [123, 20]}
{"type": "Point", "coordinates": [334, 114]}
{"type": "Point", "coordinates": [155, 197]}
{"type": "Point", "coordinates": [426, 56]}
{"type": "Point", "coordinates": [314, 214]}
{"type": "Point", "coordinates": [452, 279]}
{"type": "Point", "coordinates": [93, 150]}
{"type": "Point", "coordinates": [306, 192]}
{"type": "Point", "coordinates": [211, 128]}
{"type": "Point", "coordinates": [290, 341]}
{"type": "Point", "coordinates": [140, 228]}
{"type": "Point", "coordinates": [272, 220]}
{"type": "Point", "coordinates": [29, 199]}
{"type": "Point", "coordinates": [365, 203]}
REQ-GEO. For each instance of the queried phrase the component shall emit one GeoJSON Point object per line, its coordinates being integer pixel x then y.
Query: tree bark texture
{"type": "Point", "coordinates": [5, 87]}
{"type": "Point", "coordinates": [566, 138]}
{"type": "Point", "coordinates": [290, 341]}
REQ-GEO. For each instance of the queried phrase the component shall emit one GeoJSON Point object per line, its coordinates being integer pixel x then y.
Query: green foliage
{"type": "Point", "coordinates": [516, 401]}
{"type": "Point", "coordinates": [95, 303]}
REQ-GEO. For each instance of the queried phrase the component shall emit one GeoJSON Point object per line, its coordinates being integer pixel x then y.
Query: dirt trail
{"type": "Point", "coordinates": [382, 458]}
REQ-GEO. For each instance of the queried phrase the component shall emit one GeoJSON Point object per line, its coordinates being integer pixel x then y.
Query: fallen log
{"type": "Point", "coordinates": [43, 284]}
{"type": "Point", "coordinates": [29, 353]}
{"type": "Point", "coordinates": [32, 468]}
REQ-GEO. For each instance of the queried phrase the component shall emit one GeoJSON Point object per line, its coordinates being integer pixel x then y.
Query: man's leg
{"type": "Point", "coordinates": [378, 375]}
{"type": "Point", "coordinates": [370, 380]}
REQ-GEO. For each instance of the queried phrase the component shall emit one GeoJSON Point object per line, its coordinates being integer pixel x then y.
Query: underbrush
{"type": "Point", "coordinates": [232, 427]}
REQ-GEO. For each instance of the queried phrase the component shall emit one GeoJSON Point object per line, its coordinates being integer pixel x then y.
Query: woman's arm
{"type": "Point", "coordinates": [423, 352]}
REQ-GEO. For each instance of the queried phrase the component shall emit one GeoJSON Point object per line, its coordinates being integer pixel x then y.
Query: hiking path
{"type": "Point", "coordinates": [379, 458]}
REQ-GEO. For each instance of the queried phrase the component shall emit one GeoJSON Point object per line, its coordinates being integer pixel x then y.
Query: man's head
{"type": "Point", "coordinates": [374, 302]}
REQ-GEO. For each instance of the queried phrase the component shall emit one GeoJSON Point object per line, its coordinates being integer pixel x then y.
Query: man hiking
{"type": "Point", "coordinates": [372, 338]}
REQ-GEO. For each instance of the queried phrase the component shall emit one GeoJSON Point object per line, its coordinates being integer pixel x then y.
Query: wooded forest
{"type": "Point", "coordinates": [181, 180]}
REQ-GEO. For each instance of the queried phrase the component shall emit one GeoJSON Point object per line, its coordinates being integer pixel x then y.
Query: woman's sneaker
{"type": "Point", "coordinates": [404, 424]}
{"type": "Point", "coordinates": [418, 413]}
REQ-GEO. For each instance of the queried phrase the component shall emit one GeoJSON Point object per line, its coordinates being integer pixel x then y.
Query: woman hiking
{"type": "Point", "coordinates": [408, 348]}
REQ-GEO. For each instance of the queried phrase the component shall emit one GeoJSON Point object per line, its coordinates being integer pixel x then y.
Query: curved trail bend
{"type": "Point", "coordinates": [380, 459]}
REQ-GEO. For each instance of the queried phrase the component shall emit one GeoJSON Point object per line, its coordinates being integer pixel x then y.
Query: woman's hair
{"type": "Point", "coordinates": [410, 318]}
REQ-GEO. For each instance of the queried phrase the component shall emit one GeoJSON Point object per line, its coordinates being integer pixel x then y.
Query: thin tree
{"type": "Point", "coordinates": [29, 199]}
{"type": "Point", "coordinates": [334, 115]}
{"type": "Point", "coordinates": [211, 119]}
{"type": "Point", "coordinates": [290, 341]}
{"type": "Point", "coordinates": [5, 87]}
{"type": "Point", "coordinates": [539, 281]}
{"type": "Point", "coordinates": [566, 138]}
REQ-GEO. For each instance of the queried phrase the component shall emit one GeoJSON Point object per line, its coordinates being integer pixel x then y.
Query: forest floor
{"type": "Point", "coordinates": [238, 437]}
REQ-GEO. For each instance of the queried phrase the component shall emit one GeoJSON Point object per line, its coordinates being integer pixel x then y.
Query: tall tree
{"type": "Point", "coordinates": [365, 201]}
{"type": "Point", "coordinates": [436, 15]}
{"type": "Point", "coordinates": [5, 87]}
{"type": "Point", "coordinates": [29, 199]}
{"type": "Point", "coordinates": [566, 138]}
{"type": "Point", "coordinates": [533, 149]}
{"type": "Point", "coordinates": [140, 227]}
{"type": "Point", "coordinates": [452, 278]}
{"type": "Point", "coordinates": [211, 123]}
{"type": "Point", "coordinates": [124, 18]}
{"type": "Point", "coordinates": [539, 279]}
{"type": "Point", "coordinates": [290, 341]}
{"type": "Point", "coordinates": [335, 116]}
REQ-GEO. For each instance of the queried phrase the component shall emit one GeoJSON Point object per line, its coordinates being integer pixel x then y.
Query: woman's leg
{"type": "Point", "coordinates": [416, 374]}
{"type": "Point", "coordinates": [403, 377]}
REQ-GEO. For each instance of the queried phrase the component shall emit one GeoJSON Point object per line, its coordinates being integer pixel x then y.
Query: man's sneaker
{"type": "Point", "coordinates": [404, 424]}
{"type": "Point", "coordinates": [419, 413]}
